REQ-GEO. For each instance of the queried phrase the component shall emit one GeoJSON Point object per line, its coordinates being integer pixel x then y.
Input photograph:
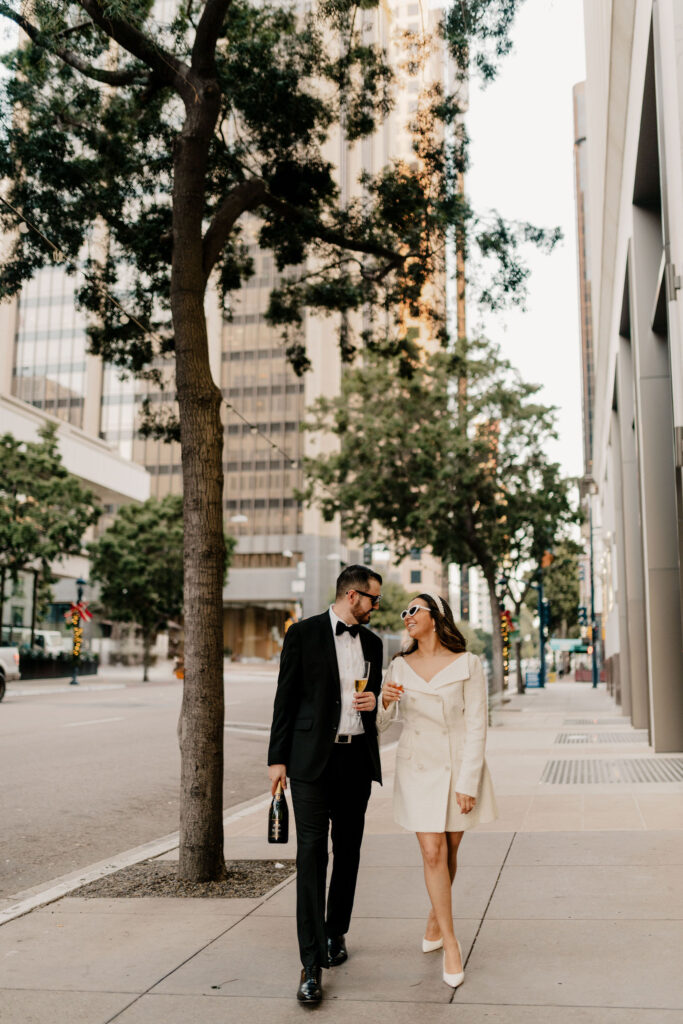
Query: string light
{"type": "Point", "coordinates": [77, 633]}
{"type": "Point", "coordinates": [505, 635]}
{"type": "Point", "coordinates": [256, 430]}
{"type": "Point", "coordinates": [58, 256]}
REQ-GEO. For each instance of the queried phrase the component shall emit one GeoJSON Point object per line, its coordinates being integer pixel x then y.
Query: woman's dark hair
{"type": "Point", "coordinates": [446, 630]}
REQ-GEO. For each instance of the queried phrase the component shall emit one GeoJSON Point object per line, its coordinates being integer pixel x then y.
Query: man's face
{"type": "Point", "coordinates": [363, 605]}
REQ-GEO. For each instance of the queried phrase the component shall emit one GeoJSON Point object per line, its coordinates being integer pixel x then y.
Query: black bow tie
{"type": "Point", "coordinates": [343, 628]}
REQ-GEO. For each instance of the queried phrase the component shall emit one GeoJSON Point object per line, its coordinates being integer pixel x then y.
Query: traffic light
{"type": "Point", "coordinates": [367, 554]}
{"type": "Point", "coordinates": [583, 615]}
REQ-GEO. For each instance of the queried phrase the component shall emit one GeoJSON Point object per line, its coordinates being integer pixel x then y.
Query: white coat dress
{"type": "Point", "coordinates": [441, 749]}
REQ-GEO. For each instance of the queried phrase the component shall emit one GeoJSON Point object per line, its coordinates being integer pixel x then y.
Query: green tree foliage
{"type": "Point", "coordinates": [138, 562]}
{"type": "Point", "coordinates": [44, 509]}
{"type": "Point", "coordinates": [545, 513]}
{"type": "Point", "coordinates": [395, 598]}
{"type": "Point", "coordinates": [138, 149]}
{"type": "Point", "coordinates": [561, 588]}
{"type": "Point", "coordinates": [462, 472]}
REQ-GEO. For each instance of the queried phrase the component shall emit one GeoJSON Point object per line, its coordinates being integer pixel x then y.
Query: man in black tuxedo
{"type": "Point", "coordinates": [324, 737]}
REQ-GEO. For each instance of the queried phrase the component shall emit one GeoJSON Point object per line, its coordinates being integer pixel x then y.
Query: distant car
{"type": "Point", "coordinates": [9, 667]}
{"type": "Point", "coordinates": [49, 640]}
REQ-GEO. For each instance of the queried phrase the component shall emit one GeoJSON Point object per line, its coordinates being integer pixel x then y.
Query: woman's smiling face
{"type": "Point", "coordinates": [420, 624]}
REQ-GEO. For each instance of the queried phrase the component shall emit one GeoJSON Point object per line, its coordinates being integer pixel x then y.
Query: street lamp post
{"type": "Point", "coordinates": [541, 608]}
{"type": "Point", "coordinates": [594, 639]}
{"type": "Point", "coordinates": [589, 489]}
{"type": "Point", "coordinates": [77, 630]}
{"type": "Point", "coordinates": [541, 632]}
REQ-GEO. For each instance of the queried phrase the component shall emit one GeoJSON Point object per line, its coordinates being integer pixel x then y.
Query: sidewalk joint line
{"type": "Point", "coordinates": [261, 901]}
{"type": "Point", "coordinates": [483, 916]}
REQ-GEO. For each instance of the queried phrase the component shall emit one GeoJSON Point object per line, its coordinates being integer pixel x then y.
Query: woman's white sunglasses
{"type": "Point", "coordinates": [413, 610]}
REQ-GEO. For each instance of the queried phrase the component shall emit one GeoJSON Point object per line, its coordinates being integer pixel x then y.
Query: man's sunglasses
{"type": "Point", "coordinates": [375, 598]}
{"type": "Point", "coordinates": [413, 610]}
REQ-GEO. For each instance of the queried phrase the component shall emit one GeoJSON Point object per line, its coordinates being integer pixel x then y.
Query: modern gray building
{"type": "Point", "coordinates": [634, 133]}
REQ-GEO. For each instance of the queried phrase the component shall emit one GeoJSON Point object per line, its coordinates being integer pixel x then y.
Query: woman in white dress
{"type": "Point", "coordinates": [442, 786]}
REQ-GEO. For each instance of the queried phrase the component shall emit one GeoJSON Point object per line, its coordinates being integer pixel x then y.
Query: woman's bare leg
{"type": "Point", "coordinates": [435, 857]}
{"type": "Point", "coordinates": [432, 932]}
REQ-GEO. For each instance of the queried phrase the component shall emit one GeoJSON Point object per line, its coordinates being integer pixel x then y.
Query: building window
{"type": "Point", "coordinates": [416, 576]}
{"type": "Point", "coordinates": [416, 554]}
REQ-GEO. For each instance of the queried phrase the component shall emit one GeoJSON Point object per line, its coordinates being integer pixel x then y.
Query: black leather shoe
{"type": "Point", "coordinates": [310, 988]}
{"type": "Point", "coordinates": [336, 950]}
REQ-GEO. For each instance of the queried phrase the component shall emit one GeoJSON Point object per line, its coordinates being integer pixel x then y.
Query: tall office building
{"type": "Point", "coordinates": [287, 558]}
{"type": "Point", "coordinates": [586, 319]}
{"type": "Point", "coordinates": [590, 590]}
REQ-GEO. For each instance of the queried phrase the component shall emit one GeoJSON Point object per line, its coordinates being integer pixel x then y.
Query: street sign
{"type": "Point", "coordinates": [572, 645]}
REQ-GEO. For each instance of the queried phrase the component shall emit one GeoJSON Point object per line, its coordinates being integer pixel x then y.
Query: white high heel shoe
{"type": "Point", "coordinates": [429, 945]}
{"type": "Point", "coordinates": [454, 980]}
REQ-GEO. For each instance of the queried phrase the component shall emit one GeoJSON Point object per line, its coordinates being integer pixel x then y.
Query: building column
{"type": "Point", "coordinates": [9, 314]}
{"type": "Point", "coordinates": [633, 588]}
{"type": "Point", "coordinates": [655, 446]}
{"type": "Point", "coordinates": [620, 595]}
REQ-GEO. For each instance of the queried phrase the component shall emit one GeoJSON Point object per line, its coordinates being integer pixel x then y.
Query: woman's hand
{"type": "Point", "coordinates": [391, 691]}
{"type": "Point", "coordinates": [465, 802]}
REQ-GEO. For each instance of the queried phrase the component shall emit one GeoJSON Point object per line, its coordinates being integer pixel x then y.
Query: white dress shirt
{"type": "Point", "coordinates": [350, 664]}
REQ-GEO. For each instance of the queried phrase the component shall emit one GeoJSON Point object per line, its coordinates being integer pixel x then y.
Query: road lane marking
{"type": "Point", "coordinates": [47, 691]}
{"type": "Point", "coordinates": [247, 725]}
{"type": "Point", "coordinates": [92, 721]}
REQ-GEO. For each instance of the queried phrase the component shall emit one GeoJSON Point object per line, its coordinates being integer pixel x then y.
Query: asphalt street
{"type": "Point", "coordinates": [89, 773]}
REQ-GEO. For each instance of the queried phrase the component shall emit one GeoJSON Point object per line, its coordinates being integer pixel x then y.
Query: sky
{"type": "Point", "coordinates": [521, 163]}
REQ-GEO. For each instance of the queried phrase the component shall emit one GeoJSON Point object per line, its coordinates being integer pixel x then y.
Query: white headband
{"type": "Point", "coordinates": [438, 602]}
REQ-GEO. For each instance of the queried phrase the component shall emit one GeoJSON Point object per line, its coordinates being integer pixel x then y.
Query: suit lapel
{"type": "Point", "coordinates": [365, 635]}
{"type": "Point", "coordinates": [327, 637]}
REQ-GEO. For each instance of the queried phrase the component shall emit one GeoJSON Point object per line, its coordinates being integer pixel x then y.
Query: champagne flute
{"type": "Point", "coordinates": [360, 682]}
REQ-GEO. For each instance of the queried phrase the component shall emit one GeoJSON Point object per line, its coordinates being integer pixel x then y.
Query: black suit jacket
{"type": "Point", "coordinates": [308, 699]}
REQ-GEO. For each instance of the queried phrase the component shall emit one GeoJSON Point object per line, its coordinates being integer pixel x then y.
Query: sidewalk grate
{"type": "Point", "coordinates": [618, 770]}
{"type": "Point", "coordinates": [638, 736]}
{"type": "Point", "coordinates": [597, 721]}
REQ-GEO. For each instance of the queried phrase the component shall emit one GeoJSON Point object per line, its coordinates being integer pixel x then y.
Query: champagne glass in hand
{"type": "Point", "coordinates": [361, 681]}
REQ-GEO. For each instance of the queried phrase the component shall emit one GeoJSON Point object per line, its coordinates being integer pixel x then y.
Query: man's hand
{"type": "Point", "coordinates": [277, 773]}
{"type": "Point", "coordinates": [364, 701]}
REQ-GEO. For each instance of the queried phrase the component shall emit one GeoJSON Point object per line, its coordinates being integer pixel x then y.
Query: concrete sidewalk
{"type": "Point", "coordinates": [569, 908]}
{"type": "Point", "coordinates": [116, 677]}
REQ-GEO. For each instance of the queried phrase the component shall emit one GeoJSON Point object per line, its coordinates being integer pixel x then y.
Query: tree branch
{"type": "Point", "coordinates": [127, 77]}
{"type": "Point", "coordinates": [167, 67]}
{"type": "Point", "coordinates": [207, 35]}
{"type": "Point", "coordinates": [253, 193]}
{"type": "Point", "coordinates": [334, 237]}
{"type": "Point", "coordinates": [245, 196]}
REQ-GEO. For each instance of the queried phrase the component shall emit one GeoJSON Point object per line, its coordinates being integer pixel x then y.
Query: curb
{"type": "Point", "coordinates": [50, 892]}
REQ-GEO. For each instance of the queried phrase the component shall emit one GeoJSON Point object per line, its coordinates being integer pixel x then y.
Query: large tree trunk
{"type": "Point", "coordinates": [146, 647]}
{"type": "Point", "coordinates": [497, 681]}
{"type": "Point", "coordinates": [201, 438]}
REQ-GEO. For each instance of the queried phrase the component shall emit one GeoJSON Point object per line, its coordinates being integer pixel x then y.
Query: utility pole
{"type": "Point", "coordinates": [594, 637]}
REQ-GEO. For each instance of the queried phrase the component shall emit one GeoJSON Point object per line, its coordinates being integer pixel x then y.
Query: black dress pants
{"type": "Point", "coordinates": [340, 796]}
